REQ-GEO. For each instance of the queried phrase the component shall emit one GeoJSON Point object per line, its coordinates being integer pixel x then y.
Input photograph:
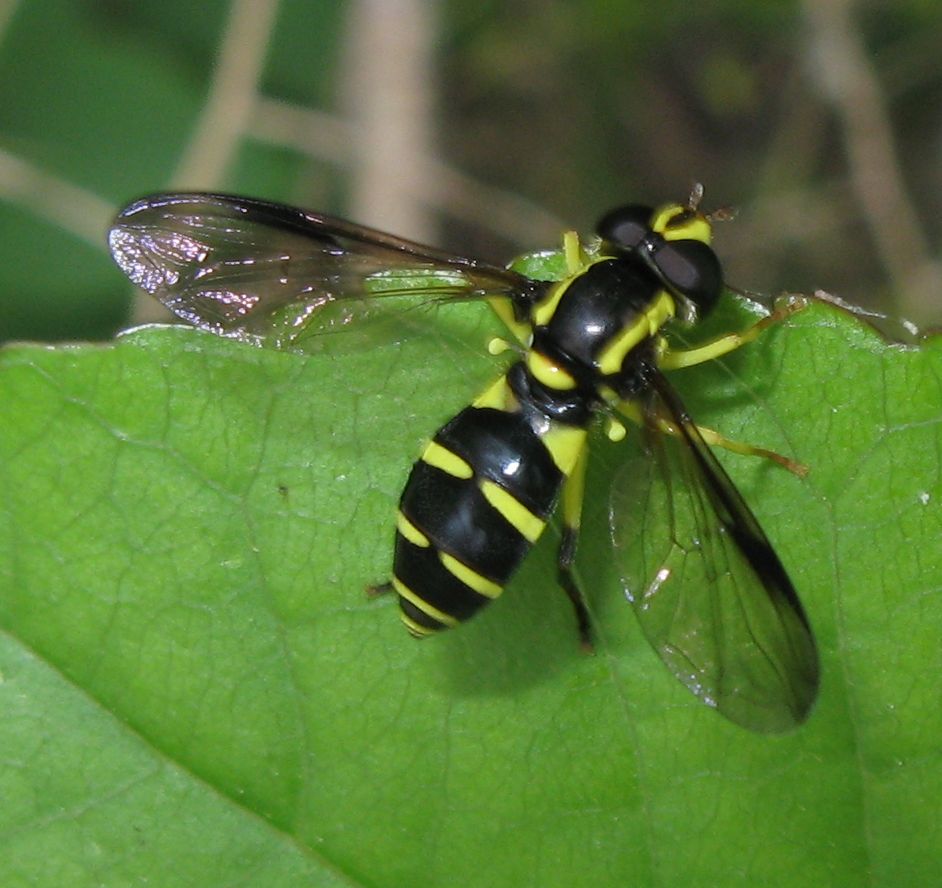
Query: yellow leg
{"type": "Point", "coordinates": [718, 440]}
{"type": "Point", "coordinates": [723, 345]}
{"type": "Point", "coordinates": [632, 410]}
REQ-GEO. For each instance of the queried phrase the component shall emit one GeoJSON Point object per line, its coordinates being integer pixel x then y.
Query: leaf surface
{"type": "Point", "coordinates": [196, 689]}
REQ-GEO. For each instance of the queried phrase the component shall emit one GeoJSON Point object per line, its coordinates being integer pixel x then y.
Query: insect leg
{"type": "Point", "coordinates": [674, 359]}
{"type": "Point", "coordinates": [632, 410]}
{"type": "Point", "coordinates": [711, 436]}
{"type": "Point", "coordinates": [572, 497]}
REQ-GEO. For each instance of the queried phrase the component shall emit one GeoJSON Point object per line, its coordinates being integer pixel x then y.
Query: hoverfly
{"type": "Point", "coordinates": [712, 596]}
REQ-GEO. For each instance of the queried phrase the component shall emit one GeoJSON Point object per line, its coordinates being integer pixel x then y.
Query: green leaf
{"type": "Point", "coordinates": [196, 690]}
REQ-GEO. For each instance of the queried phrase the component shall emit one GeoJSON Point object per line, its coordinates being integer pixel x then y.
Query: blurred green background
{"type": "Point", "coordinates": [482, 127]}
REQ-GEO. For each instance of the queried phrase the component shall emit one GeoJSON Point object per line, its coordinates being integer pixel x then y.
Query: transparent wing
{"type": "Point", "coordinates": [710, 593]}
{"type": "Point", "coordinates": [270, 274]}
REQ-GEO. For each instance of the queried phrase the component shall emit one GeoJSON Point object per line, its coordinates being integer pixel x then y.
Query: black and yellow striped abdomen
{"type": "Point", "coordinates": [484, 488]}
{"type": "Point", "coordinates": [476, 501]}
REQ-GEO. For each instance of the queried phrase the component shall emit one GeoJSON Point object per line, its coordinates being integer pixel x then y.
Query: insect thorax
{"type": "Point", "coordinates": [599, 328]}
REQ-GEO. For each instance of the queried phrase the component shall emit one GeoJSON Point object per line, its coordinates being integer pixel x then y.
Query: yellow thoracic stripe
{"type": "Point", "coordinates": [542, 313]}
{"type": "Point", "coordinates": [410, 531]}
{"type": "Point", "coordinates": [544, 310]}
{"type": "Point", "coordinates": [472, 579]}
{"type": "Point", "coordinates": [442, 458]}
{"type": "Point", "coordinates": [517, 514]}
{"type": "Point", "coordinates": [426, 608]}
{"type": "Point", "coordinates": [548, 372]}
{"type": "Point", "coordinates": [647, 324]}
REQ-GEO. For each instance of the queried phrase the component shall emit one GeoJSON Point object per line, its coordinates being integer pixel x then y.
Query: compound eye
{"type": "Point", "coordinates": [690, 268]}
{"type": "Point", "coordinates": [625, 227]}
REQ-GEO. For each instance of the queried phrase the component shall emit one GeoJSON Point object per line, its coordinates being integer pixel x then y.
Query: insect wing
{"type": "Point", "coordinates": [710, 593]}
{"type": "Point", "coordinates": [270, 274]}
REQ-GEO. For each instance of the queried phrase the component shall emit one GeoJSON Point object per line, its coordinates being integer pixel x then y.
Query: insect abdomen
{"type": "Point", "coordinates": [475, 502]}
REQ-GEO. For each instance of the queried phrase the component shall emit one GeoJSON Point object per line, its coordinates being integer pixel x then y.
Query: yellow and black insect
{"type": "Point", "coordinates": [712, 596]}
